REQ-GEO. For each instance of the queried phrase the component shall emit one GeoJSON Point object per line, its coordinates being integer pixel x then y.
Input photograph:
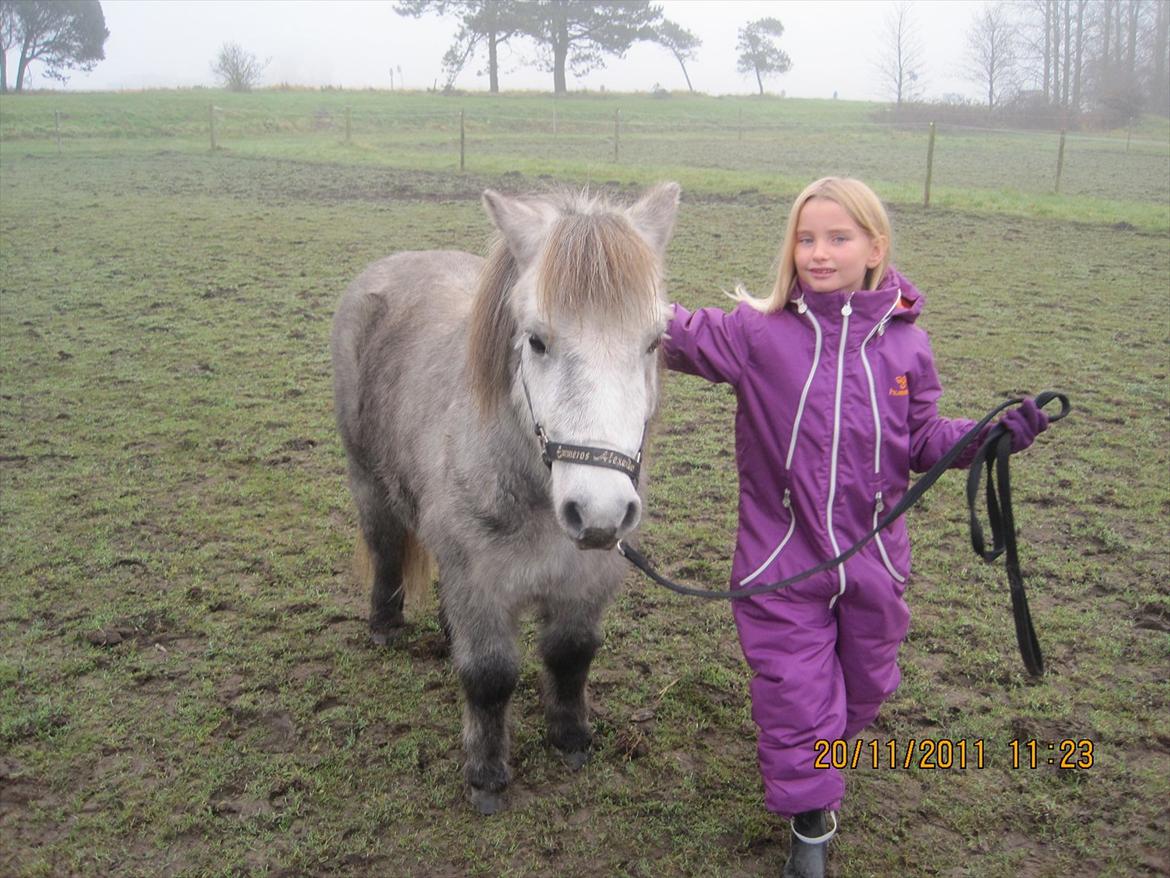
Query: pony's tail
{"type": "Point", "coordinates": [419, 569]}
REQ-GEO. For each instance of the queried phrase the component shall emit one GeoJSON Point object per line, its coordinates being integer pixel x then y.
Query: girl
{"type": "Point", "coordinates": [837, 401]}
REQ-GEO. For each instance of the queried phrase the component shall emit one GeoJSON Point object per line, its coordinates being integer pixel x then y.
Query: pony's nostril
{"type": "Point", "coordinates": [631, 516]}
{"type": "Point", "coordinates": [573, 519]}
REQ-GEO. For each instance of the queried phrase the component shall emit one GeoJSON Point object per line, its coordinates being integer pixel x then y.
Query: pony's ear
{"type": "Point", "coordinates": [524, 224]}
{"type": "Point", "coordinates": [654, 215]}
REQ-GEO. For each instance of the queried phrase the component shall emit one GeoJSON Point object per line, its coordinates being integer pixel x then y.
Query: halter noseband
{"type": "Point", "coordinates": [587, 455]}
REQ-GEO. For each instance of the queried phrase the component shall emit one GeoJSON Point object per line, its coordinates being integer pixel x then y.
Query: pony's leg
{"type": "Point", "coordinates": [487, 661]}
{"type": "Point", "coordinates": [569, 639]}
{"type": "Point", "coordinates": [385, 538]}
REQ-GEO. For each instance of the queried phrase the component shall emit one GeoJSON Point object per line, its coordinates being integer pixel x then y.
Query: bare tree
{"type": "Point", "coordinates": [758, 53]}
{"type": "Point", "coordinates": [680, 42]}
{"type": "Point", "coordinates": [1159, 66]}
{"type": "Point", "coordinates": [900, 66]}
{"type": "Point", "coordinates": [991, 46]}
{"type": "Point", "coordinates": [237, 68]}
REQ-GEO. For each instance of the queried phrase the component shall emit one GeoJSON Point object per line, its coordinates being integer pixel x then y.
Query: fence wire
{"type": "Point", "coordinates": [797, 145]}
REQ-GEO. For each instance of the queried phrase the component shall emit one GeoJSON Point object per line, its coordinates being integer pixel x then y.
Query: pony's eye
{"type": "Point", "coordinates": [654, 345]}
{"type": "Point", "coordinates": [537, 344]}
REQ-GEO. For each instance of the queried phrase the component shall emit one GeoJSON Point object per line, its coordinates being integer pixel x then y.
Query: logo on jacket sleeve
{"type": "Point", "coordinates": [901, 387]}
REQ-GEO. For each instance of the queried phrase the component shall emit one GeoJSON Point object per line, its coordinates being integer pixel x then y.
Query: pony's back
{"type": "Point", "coordinates": [392, 321]}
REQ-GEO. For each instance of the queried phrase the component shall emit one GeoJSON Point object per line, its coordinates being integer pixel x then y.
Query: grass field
{"type": "Point", "coordinates": [186, 686]}
{"type": "Point", "coordinates": [711, 145]}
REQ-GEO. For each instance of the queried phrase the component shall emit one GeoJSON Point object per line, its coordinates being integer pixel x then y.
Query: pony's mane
{"type": "Point", "coordinates": [592, 262]}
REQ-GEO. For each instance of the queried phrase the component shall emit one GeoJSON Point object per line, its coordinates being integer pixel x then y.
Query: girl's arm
{"type": "Point", "coordinates": [709, 343]}
{"type": "Point", "coordinates": [932, 436]}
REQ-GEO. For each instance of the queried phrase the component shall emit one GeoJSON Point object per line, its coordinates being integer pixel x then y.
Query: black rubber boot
{"type": "Point", "coordinates": [810, 839]}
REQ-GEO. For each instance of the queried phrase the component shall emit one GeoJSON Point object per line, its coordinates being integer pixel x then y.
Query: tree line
{"type": "Point", "coordinates": [575, 35]}
{"type": "Point", "coordinates": [1053, 59]}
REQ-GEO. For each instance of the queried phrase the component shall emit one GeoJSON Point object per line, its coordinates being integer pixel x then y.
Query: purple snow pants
{"type": "Point", "coordinates": [818, 673]}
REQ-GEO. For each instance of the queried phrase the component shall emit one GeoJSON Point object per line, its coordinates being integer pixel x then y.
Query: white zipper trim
{"type": "Point", "coordinates": [845, 312]}
{"type": "Point", "coordinates": [802, 308]}
{"type": "Point", "coordinates": [787, 501]}
{"type": "Point", "coordinates": [877, 421]}
{"type": "Point", "coordinates": [878, 506]}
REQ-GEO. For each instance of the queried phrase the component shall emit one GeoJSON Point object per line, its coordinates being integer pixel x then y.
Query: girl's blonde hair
{"type": "Point", "coordinates": [860, 202]}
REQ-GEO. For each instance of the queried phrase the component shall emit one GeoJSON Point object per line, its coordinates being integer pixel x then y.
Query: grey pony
{"type": "Point", "coordinates": [442, 360]}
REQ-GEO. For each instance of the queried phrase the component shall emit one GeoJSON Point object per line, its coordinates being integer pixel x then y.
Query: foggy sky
{"type": "Point", "coordinates": [833, 45]}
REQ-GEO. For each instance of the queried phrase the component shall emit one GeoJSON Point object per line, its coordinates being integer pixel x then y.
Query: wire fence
{"type": "Point", "coordinates": [797, 146]}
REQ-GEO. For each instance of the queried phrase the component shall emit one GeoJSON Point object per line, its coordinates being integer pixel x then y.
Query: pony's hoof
{"type": "Point", "coordinates": [383, 637]}
{"type": "Point", "coordinates": [576, 759]}
{"type": "Point", "coordinates": [486, 802]}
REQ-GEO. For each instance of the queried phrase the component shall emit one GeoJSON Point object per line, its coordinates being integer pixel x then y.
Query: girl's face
{"type": "Point", "coordinates": [832, 252]}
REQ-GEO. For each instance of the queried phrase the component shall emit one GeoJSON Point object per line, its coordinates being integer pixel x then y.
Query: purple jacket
{"type": "Point", "coordinates": [837, 403]}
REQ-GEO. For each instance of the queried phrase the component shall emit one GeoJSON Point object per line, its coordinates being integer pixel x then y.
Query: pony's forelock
{"type": "Point", "coordinates": [593, 262]}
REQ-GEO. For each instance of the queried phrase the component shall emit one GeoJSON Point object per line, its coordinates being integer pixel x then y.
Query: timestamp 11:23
{"type": "Point", "coordinates": [946, 753]}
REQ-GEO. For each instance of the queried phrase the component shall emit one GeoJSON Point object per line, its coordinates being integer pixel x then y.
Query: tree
{"type": "Point", "coordinates": [62, 35]}
{"type": "Point", "coordinates": [7, 38]}
{"type": "Point", "coordinates": [481, 22]}
{"type": "Point", "coordinates": [680, 42]}
{"type": "Point", "coordinates": [991, 44]}
{"type": "Point", "coordinates": [577, 34]}
{"type": "Point", "coordinates": [236, 68]}
{"type": "Point", "coordinates": [900, 67]}
{"type": "Point", "coordinates": [758, 54]}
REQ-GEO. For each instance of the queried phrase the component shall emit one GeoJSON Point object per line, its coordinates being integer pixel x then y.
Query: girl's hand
{"type": "Point", "coordinates": [1025, 424]}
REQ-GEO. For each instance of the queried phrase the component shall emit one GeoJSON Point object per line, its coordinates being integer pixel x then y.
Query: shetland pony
{"type": "Point", "coordinates": [450, 372]}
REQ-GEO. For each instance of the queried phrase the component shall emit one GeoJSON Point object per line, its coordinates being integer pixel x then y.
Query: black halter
{"type": "Point", "coordinates": [587, 455]}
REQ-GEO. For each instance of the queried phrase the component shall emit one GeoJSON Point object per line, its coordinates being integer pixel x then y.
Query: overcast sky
{"type": "Point", "coordinates": [356, 43]}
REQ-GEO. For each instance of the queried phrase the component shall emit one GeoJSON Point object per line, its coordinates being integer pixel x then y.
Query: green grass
{"type": "Point", "coordinates": [185, 682]}
{"type": "Point", "coordinates": [712, 145]}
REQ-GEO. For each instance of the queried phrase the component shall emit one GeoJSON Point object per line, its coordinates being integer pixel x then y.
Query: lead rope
{"type": "Point", "coordinates": [997, 447]}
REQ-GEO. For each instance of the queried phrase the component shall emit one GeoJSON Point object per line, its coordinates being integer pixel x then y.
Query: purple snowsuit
{"type": "Point", "coordinates": [837, 402]}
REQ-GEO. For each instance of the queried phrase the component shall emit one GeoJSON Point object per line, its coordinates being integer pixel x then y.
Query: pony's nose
{"type": "Point", "coordinates": [596, 530]}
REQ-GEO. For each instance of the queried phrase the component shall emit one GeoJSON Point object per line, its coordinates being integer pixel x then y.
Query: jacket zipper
{"type": "Point", "coordinates": [845, 312]}
{"type": "Point", "coordinates": [802, 308]}
{"type": "Point", "coordinates": [787, 501]}
{"type": "Point", "coordinates": [879, 504]}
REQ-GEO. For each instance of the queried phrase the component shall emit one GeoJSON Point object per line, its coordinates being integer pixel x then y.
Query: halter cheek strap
{"type": "Point", "coordinates": [587, 455]}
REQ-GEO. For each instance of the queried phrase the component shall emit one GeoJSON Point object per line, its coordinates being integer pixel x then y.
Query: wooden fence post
{"type": "Point", "coordinates": [211, 123]}
{"type": "Point", "coordinates": [1059, 163]}
{"type": "Point", "coordinates": [929, 167]}
{"type": "Point", "coordinates": [462, 140]}
{"type": "Point", "coordinates": [617, 119]}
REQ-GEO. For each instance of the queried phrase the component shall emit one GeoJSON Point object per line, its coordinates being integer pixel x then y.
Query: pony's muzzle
{"type": "Point", "coordinates": [594, 528]}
